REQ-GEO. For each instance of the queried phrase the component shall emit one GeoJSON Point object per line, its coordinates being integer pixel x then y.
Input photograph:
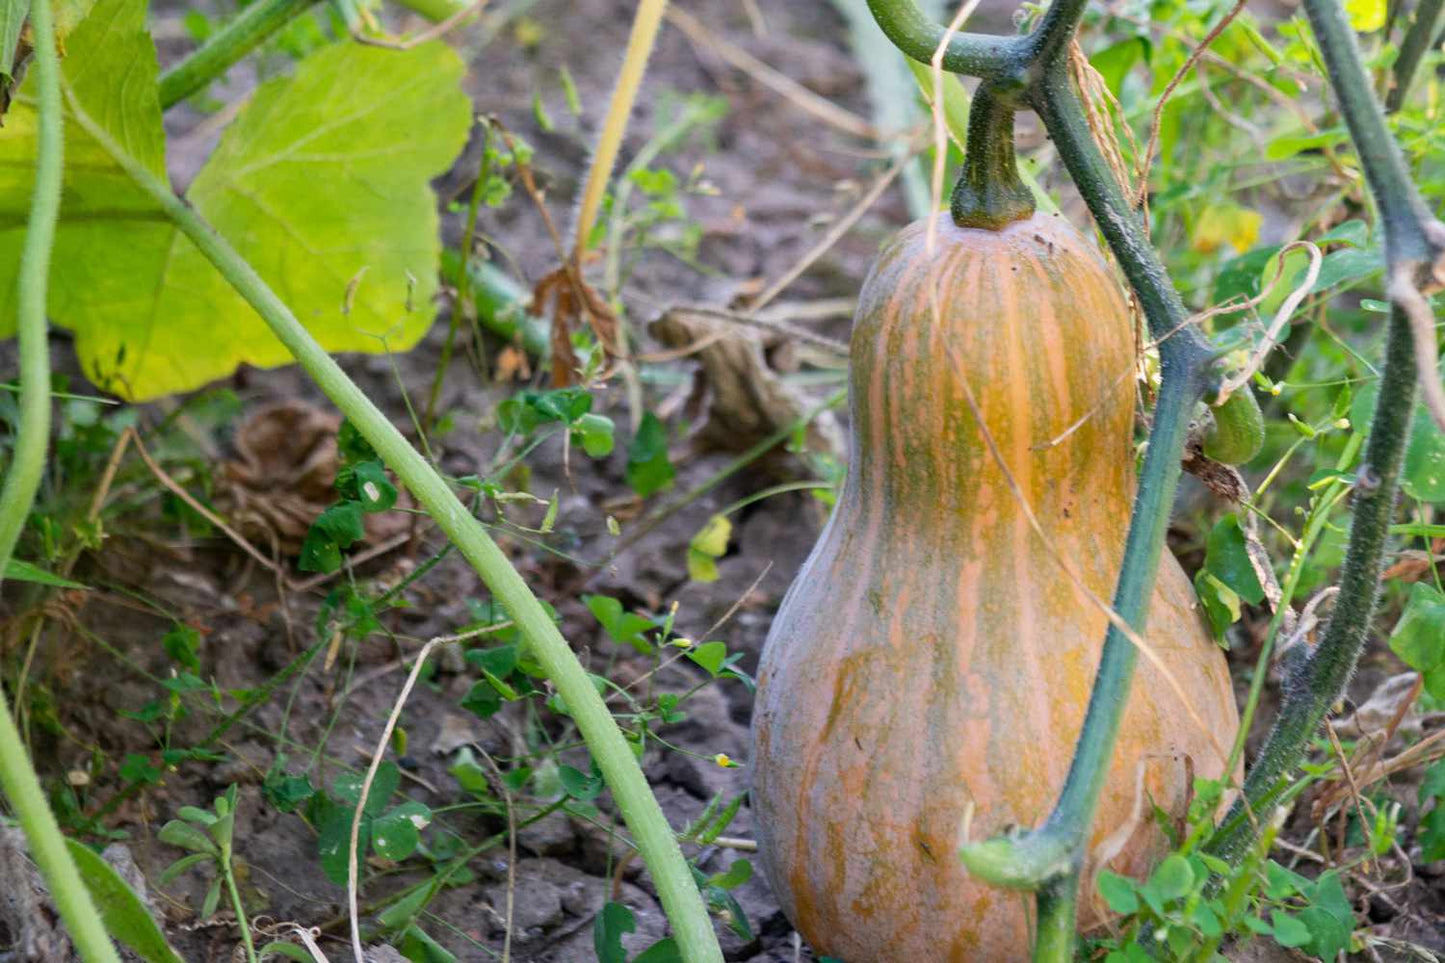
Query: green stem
{"type": "Point", "coordinates": [989, 193]}
{"type": "Point", "coordinates": [977, 55]}
{"type": "Point", "coordinates": [1401, 208]}
{"type": "Point", "coordinates": [1057, 904]}
{"type": "Point", "coordinates": [672, 876]}
{"type": "Point", "coordinates": [250, 28]}
{"type": "Point", "coordinates": [1412, 51]}
{"type": "Point", "coordinates": [1313, 683]}
{"type": "Point", "coordinates": [17, 777]}
{"type": "Point", "coordinates": [240, 910]}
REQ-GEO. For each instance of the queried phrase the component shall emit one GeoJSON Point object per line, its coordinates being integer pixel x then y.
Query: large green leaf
{"type": "Point", "coordinates": [321, 183]}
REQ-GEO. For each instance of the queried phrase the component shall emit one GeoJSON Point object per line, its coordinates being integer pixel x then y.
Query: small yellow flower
{"type": "Point", "coordinates": [724, 760]}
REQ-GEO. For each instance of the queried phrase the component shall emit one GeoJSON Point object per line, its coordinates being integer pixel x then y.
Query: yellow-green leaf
{"type": "Point", "coordinates": [321, 183]}
{"type": "Point", "coordinates": [706, 547]}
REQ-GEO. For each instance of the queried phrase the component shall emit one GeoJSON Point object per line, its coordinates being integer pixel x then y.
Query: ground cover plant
{"type": "Point", "coordinates": [413, 426]}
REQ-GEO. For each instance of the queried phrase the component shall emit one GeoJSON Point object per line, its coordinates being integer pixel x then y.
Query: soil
{"type": "Point", "coordinates": [781, 177]}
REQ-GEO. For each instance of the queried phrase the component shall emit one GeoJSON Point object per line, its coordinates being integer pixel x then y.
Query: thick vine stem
{"type": "Point", "coordinates": [971, 54]}
{"type": "Point", "coordinates": [692, 926]}
{"type": "Point", "coordinates": [27, 465]}
{"type": "Point", "coordinates": [989, 193]}
{"type": "Point", "coordinates": [1412, 51]}
{"type": "Point", "coordinates": [1401, 209]}
{"type": "Point", "coordinates": [1313, 684]}
{"type": "Point", "coordinates": [1413, 249]}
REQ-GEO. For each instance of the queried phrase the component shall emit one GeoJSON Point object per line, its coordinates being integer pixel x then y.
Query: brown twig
{"type": "Point", "coordinates": [1147, 161]}
{"type": "Point", "coordinates": [841, 227]}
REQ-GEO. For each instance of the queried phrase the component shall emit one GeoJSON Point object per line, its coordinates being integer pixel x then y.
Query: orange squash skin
{"type": "Point", "coordinates": [931, 653]}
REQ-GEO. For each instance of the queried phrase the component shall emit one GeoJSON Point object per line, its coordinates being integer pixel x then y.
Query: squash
{"type": "Point", "coordinates": [932, 658]}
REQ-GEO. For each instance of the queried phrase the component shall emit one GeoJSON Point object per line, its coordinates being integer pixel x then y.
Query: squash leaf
{"type": "Point", "coordinates": [321, 184]}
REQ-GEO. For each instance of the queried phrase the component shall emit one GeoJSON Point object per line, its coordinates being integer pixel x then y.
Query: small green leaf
{"type": "Point", "coordinates": [1419, 636]}
{"type": "Point", "coordinates": [663, 951]}
{"type": "Point", "coordinates": [710, 656]}
{"type": "Point", "coordinates": [1433, 785]}
{"type": "Point", "coordinates": [186, 836]}
{"type": "Point", "coordinates": [1289, 931]}
{"type": "Point", "coordinates": [374, 490]}
{"type": "Point", "coordinates": [18, 571]}
{"type": "Point", "coordinates": [1118, 891]}
{"type": "Point", "coordinates": [1173, 878]}
{"type": "Point", "coordinates": [212, 899]}
{"type": "Point", "coordinates": [612, 923]}
{"type": "Point", "coordinates": [395, 834]}
{"type": "Point", "coordinates": [580, 785]}
{"type": "Point", "coordinates": [173, 872]}
{"type": "Point", "coordinates": [706, 547]}
{"type": "Point", "coordinates": [183, 644]}
{"type": "Point", "coordinates": [1226, 556]}
{"type": "Point", "coordinates": [648, 468]}
{"type": "Point", "coordinates": [348, 787]}
{"type": "Point", "coordinates": [596, 435]}
{"type": "Point", "coordinates": [1221, 604]}
{"type": "Point", "coordinates": [624, 628]}
{"type": "Point", "coordinates": [737, 874]}
{"type": "Point", "coordinates": [418, 947]}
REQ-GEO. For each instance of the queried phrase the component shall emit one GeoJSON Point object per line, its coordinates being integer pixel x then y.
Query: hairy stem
{"type": "Point", "coordinates": [655, 839]}
{"type": "Point", "coordinates": [1314, 683]}
{"type": "Point", "coordinates": [1401, 208]}
{"type": "Point", "coordinates": [17, 777]}
{"type": "Point", "coordinates": [253, 26]}
{"type": "Point", "coordinates": [1412, 51]}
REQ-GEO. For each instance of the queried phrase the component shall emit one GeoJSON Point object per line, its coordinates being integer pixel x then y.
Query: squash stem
{"type": "Point", "coordinates": [989, 193]}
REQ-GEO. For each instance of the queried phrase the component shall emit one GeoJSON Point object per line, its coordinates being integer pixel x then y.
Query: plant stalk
{"type": "Point", "coordinates": [1312, 684]}
{"type": "Point", "coordinates": [1412, 51]}
{"type": "Point", "coordinates": [22, 480]}
{"type": "Point", "coordinates": [238, 908]}
{"type": "Point", "coordinates": [253, 26]}
{"type": "Point", "coordinates": [692, 927]}
{"type": "Point", "coordinates": [1315, 682]}
{"type": "Point", "coordinates": [1401, 208]}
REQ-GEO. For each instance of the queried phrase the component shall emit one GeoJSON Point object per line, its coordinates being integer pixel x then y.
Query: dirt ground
{"type": "Point", "coordinates": [782, 178]}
